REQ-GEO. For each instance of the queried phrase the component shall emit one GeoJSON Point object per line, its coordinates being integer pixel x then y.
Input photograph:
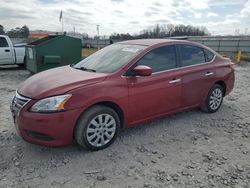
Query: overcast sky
{"type": "Point", "coordinates": [122, 16]}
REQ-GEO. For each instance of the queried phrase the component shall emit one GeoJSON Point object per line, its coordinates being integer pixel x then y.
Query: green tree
{"type": "Point", "coordinates": [1, 30]}
{"type": "Point", "coordinates": [12, 33]}
{"type": "Point", "coordinates": [24, 32]}
{"type": "Point", "coordinates": [18, 32]}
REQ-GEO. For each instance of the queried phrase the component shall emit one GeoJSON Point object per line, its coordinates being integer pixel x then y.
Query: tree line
{"type": "Point", "coordinates": [164, 31]}
{"type": "Point", "coordinates": [18, 32]}
{"type": "Point", "coordinates": [158, 31]}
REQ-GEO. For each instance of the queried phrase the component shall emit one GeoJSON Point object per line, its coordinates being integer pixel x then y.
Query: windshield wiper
{"type": "Point", "coordinates": [85, 69]}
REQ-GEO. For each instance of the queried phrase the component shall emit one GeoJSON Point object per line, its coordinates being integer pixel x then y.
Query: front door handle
{"type": "Point", "coordinates": [175, 81]}
{"type": "Point", "coordinates": [209, 74]}
{"type": "Point", "coordinates": [7, 50]}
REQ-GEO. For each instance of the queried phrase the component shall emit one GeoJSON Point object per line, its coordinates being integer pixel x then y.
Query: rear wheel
{"type": "Point", "coordinates": [214, 99]}
{"type": "Point", "coordinates": [97, 128]}
{"type": "Point", "coordinates": [24, 63]}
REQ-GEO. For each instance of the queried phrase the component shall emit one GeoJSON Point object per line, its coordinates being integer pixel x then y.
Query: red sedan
{"type": "Point", "coordinates": [118, 87]}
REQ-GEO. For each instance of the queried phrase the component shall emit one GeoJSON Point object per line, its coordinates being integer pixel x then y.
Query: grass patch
{"type": "Point", "coordinates": [245, 58]}
{"type": "Point", "coordinates": [233, 56]}
{"type": "Point", "coordinates": [88, 51]}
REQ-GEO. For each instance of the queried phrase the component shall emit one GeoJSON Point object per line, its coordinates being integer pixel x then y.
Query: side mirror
{"type": "Point", "coordinates": [142, 70]}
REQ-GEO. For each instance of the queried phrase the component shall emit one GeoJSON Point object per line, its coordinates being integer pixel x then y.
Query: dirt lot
{"type": "Point", "coordinates": [189, 149]}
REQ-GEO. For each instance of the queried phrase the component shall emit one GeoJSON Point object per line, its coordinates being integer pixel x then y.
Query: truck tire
{"type": "Point", "coordinates": [24, 63]}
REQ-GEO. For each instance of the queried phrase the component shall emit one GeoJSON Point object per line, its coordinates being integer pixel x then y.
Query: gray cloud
{"type": "Point", "coordinates": [157, 4]}
{"type": "Point", "coordinates": [154, 8]}
{"type": "Point", "coordinates": [117, 1]}
{"type": "Point", "coordinates": [6, 13]}
{"type": "Point", "coordinates": [162, 21]}
{"type": "Point", "coordinates": [134, 22]}
{"type": "Point", "coordinates": [122, 15]}
{"type": "Point", "coordinates": [118, 12]}
{"type": "Point", "coordinates": [180, 3]}
{"type": "Point", "coordinates": [74, 11]}
{"type": "Point", "coordinates": [150, 13]}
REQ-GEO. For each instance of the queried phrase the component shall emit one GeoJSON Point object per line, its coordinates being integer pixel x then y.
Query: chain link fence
{"type": "Point", "coordinates": [217, 43]}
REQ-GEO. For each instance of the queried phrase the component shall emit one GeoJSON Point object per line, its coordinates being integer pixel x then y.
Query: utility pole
{"type": "Point", "coordinates": [62, 26]}
{"type": "Point", "coordinates": [97, 28]}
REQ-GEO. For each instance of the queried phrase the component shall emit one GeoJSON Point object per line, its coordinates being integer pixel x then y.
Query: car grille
{"type": "Point", "coordinates": [19, 102]}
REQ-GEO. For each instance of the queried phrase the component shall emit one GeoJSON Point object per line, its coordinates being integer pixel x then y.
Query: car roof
{"type": "Point", "coordinates": [151, 42]}
{"type": "Point", "coordinates": [159, 42]}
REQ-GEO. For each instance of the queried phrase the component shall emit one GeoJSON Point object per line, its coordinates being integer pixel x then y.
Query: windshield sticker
{"type": "Point", "coordinates": [132, 50]}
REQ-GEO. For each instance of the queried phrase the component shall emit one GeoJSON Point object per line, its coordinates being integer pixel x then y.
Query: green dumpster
{"type": "Point", "coordinates": [52, 51]}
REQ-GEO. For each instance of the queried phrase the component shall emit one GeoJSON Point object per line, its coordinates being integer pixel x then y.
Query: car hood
{"type": "Point", "coordinates": [58, 81]}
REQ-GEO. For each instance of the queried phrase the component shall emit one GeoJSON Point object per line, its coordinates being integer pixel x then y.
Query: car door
{"type": "Point", "coordinates": [6, 56]}
{"type": "Point", "coordinates": [159, 93]}
{"type": "Point", "coordinates": [197, 74]}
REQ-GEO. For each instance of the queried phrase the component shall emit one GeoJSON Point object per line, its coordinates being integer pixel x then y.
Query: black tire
{"type": "Point", "coordinates": [84, 122]}
{"type": "Point", "coordinates": [207, 106]}
{"type": "Point", "coordinates": [24, 63]}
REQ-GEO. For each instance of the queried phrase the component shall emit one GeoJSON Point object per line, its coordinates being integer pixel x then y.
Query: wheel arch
{"type": "Point", "coordinates": [115, 107]}
{"type": "Point", "coordinates": [223, 85]}
{"type": "Point", "coordinates": [110, 104]}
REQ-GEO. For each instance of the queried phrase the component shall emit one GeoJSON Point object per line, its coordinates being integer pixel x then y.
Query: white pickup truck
{"type": "Point", "coordinates": [11, 54]}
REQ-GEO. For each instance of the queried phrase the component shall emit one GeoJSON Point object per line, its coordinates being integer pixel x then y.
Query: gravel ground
{"type": "Point", "coordinates": [189, 149]}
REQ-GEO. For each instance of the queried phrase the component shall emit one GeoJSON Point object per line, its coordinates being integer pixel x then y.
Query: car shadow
{"type": "Point", "coordinates": [11, 67]}
{"type": "Point", "coordinates": [169, 124]}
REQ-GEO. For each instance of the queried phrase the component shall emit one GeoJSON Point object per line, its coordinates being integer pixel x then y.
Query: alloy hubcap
{"type": "Point", "coordinates": [101, 130]}
{"type": "Point", "coordinates": [215, 99]}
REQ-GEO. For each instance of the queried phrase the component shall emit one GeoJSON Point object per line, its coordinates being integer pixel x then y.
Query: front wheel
{"type": "Point", "coordinates": [214, 99]}
{"type": "Point", "coordinates": [97, 128]}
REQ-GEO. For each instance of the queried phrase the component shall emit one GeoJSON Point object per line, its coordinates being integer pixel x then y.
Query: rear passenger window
{"type": "Point", "coordinates": [191, 55]}
{"type": "Point", "coordinates": [160, 59]}
{"type": "Point", "coordinates": [3, 42]}
{"type": "Point", "coordinates": [209, 55]}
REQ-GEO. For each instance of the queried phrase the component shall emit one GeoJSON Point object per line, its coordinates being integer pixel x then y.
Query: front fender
{"type": "Point", "coordinates": [115, 92]}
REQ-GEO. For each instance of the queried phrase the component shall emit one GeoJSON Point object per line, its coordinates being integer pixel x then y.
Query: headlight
{"type": "Point", "coordinates": [50, 104]}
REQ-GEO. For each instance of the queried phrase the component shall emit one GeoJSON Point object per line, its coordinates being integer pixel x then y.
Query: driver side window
{"type": "Point", "coordinates": [3, 42]}
{"type": "Point", "coordinates": [160, 59]}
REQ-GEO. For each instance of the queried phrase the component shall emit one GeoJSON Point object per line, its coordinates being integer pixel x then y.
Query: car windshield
{"type": "Point", "coordinates": [110, 58]}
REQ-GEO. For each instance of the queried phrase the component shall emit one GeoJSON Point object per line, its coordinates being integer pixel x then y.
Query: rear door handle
{"type": "Point", "coordinates": [175, 81]}
{"type": "Point", "coordinates": [209, 74]}
{"type": "Point", "coordinates": [7, 50]}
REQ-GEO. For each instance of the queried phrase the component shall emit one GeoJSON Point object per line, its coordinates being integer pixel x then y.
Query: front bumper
{"type": "Point", "coordinates": [50, 129]}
